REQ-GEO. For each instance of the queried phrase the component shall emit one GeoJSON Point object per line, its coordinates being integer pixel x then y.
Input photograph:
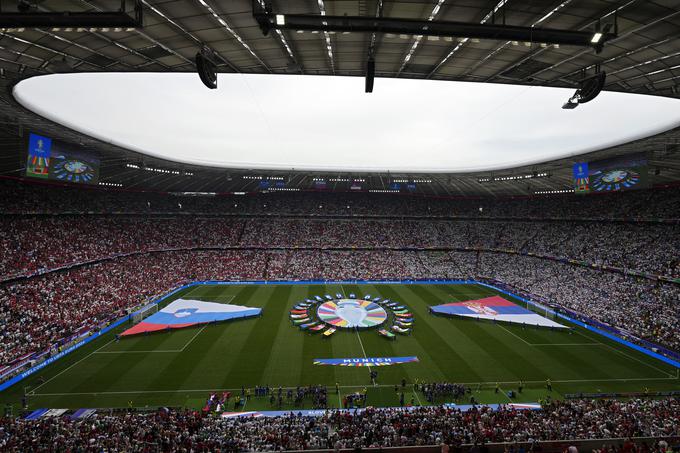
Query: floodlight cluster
{"type": "Point", "coordinates": [547, 192]}
{"type": "Point", "coordinates": [514, 177]}
{"type": "Point", "coordinates": [263, 178]}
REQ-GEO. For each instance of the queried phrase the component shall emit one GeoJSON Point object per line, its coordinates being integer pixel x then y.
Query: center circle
{"type": "Point", "coordinates": [351, 313]}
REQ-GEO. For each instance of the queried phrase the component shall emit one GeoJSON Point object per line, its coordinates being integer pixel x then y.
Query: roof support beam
{"type": "Point", "coordinates": [310, 22]}
{"type": "Point", "coordinates": [589, 23]}
{"type": "Point", "coordinates": [83, 19]}
{"type": "Point", "coordinates": [616, 38]}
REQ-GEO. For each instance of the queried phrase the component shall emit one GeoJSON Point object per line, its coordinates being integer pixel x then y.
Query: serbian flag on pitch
{"type": "Point", "coordinates": [494, 308]}
{"type": "Point", "coordinates": [185, 313]}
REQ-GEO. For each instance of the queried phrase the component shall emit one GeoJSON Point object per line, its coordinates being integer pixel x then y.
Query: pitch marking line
{"type": "Point", "coordinates": [193, 288]}
{"type": "Point", "coordinates": [194, 337]}
{"type": "Point", "coordinates": [342, 288]}
{"type": "Point", "coordinates": [500, 389]}
{"type": "Point", "coordinates": [362, 345]}
{"type": "Point", "coordinates": [417, 398]}
{"type": "Point", "coordinates": [137, 352]}
{"type": "Point", "coordinates": [158, 350]}
{"type": "Point", "coordinates": [71, 366]}
{"type": "Point", "coordinates": [226, 298]}
{"type": "Point", "coordinates": [513, 334]}
{"type": "Point", "coordinates": [564, 344]}
{"type": "Point", "coordinates": [627, 355]}
{"type": "Point", "coordinates": [355, 386]}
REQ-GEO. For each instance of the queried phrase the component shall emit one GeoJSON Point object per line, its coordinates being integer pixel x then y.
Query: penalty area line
{"type": "Point", "coordinates": [137, 352]}
{"type": "Point", "coordinates": [71, 366]}
{"type": "Point", "coordinates": [194, 337]}
{"type": "Point", "coordinates": [625, 354]}
{"type": "Point", "coordinates": [513, 334]}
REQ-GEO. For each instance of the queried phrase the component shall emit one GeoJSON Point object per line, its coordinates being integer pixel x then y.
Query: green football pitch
{"type": "Point", "coordinates": [181, 368]}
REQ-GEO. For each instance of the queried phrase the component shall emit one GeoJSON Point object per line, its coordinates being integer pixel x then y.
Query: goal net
{"type": "Point", "coordinates": [145, 311]}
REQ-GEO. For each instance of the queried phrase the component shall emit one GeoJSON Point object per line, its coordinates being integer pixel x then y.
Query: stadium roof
{"type": "Point", "coordinates": [642, 58]}
{"type": "Point", "coordinates": [329, 124]}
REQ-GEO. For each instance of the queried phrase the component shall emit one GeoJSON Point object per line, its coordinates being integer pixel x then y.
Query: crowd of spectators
{"type": "Point", "coordinates": [645, 308]}
{"type": "Point", "coordinates": [39, 243]}
{"type": "Point", "coordinates": [37, 312]}
{"type": "Point", "coordinates": [171, 430]}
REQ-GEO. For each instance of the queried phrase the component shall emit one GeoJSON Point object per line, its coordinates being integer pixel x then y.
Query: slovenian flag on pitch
{"type": "Point", "coordinates": [494, 308]}
{"type": "Point", "coordinates": [186, 312]}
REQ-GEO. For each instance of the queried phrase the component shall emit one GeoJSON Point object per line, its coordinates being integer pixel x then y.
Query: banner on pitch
{"type": "Point", "coordinates": [497, 309]}
{"type": "Point", "coordinates": [366, 361]}
{"type": "Point", "coordinates": [188, 312]}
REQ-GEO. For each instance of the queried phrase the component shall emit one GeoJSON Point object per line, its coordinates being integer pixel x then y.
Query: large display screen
{"type": "Point", "coordinates": [581, 178]}
{"type": "Point", "coordinates": [611, 175]}
{"type": "Point", "coordinates": [48, 159]}
{"type": "Point", "coordinates": [621, 173]}
{"type": "Point", "coordinates": [39, 154]}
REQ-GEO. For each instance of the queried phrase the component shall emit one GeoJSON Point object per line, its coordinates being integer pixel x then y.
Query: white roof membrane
{"type": "Point", "coordinates": [323, 123]}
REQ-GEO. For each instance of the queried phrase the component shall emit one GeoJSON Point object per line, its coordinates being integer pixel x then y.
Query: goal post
{"type": "Point", "coordinates": [145, 311]}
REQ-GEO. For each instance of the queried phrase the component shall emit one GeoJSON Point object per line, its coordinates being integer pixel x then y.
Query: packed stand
{"type": "Point", "coordinates": [37, 244]}
{"type": "Point", "coordinates": [170, 430]}
{"type": "Point", "coordinates": [645, 308]}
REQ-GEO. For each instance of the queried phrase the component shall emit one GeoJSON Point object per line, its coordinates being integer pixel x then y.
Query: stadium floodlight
{"type": "Point", "coordinates": [206, 67]}
{"type": "Point", "coordinates": [280, 19]}
{"type": "Point", "coordinates": [571, 104]}
{"type": "Point", "coordinates": [597, 37]}
{"type": "Point", "coordinates": [431, 29]}
{"type": "Point", "coordinates": [588, 90]}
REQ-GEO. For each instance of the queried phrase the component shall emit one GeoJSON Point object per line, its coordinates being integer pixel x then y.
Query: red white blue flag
{"type": "Point", "coordinates": [186, 312]}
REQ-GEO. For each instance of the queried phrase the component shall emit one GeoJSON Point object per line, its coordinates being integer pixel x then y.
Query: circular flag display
{"type": "Point", "coordinates": [614, 180]}
{"type": "Point", "coordinates": [350, 313]}
{"type": "Point", "coordinates": [74, 170]}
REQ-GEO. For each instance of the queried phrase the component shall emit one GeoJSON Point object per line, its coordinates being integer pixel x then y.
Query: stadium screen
{"type": "Point", "coordinates": [611, 175]}
{"type": "Point", "coordinates": [48, 159]}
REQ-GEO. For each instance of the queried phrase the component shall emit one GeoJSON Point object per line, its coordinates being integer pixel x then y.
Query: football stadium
{"type": "Point", "coordinates": [409, 225]}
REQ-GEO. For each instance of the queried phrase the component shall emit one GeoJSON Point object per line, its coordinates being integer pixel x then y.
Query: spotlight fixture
{"type": "Point", "coordinates": [588, 90]}
{"type": "Point", "coordinates": [206, 67]}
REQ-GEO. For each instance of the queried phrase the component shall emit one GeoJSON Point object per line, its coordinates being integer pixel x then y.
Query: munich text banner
{"type": "Point", "coordinates": [366, 361]}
